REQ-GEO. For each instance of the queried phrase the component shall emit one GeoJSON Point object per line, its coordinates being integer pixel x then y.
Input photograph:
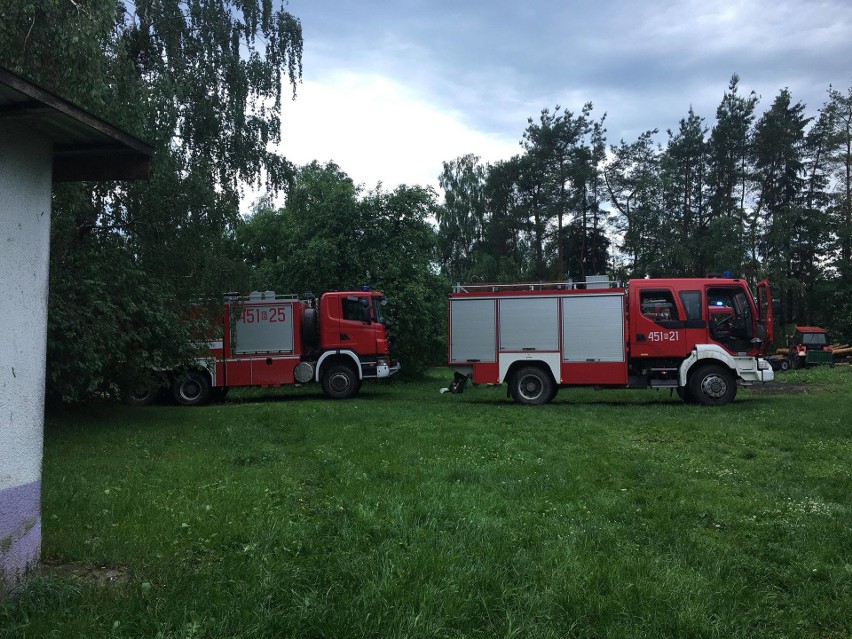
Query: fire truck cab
{"type": "Point", "coordinates": [700, 337]}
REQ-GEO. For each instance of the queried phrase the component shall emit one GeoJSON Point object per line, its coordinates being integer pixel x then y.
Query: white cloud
{"type": "Point", "coordinates": [695, 29]}
{"type": "Point", "coordinates": [394, 89]}
{"type": "Point", "coordinates": [378, 130]}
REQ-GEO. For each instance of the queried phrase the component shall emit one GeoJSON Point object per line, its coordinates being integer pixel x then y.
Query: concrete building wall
{"type": "Point", "coordinates": [25, 192]}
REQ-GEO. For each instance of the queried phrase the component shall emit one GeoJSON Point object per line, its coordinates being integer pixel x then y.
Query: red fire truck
{"type": "Point", "coordinates": [265, 339]}
{"type": "Point", "coordinates": [700, 337]}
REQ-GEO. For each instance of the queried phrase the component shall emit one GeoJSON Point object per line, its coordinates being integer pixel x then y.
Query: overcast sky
{"type": "Point", "coordinates": [392, 89]}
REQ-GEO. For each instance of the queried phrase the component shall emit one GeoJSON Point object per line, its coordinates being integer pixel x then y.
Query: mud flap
{"type": "Point", "coordinates": [457, 386]}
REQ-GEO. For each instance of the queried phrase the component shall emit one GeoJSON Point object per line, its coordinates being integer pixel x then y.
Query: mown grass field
{"type": "Point", "coordinates": [404, 513]}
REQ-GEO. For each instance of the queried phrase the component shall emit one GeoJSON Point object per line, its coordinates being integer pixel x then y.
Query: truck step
{"type": "Point", "coordinates": [664, 383]}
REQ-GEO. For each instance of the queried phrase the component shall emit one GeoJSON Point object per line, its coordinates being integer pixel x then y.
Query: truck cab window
{"type": "Point", "coordinates": [658, 306]}
{"type": "Point", "coordinates": [691, 301]}
{"type": "Point", "coordinates": [378, 309]}
{"type": "Point", "coordinates": [730, 318]}
{"type": "Point", "coordinates": [353, 308]}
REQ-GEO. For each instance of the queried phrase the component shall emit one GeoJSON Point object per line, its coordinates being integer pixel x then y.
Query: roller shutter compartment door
{"type": "Point", "coordinates": [529, 324]}
{"type": "Point", "coordinates": [593, 328]}
{"type": "Point", "coordinates": [473, 329]}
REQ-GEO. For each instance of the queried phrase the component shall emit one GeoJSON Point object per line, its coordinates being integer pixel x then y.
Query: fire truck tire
{"type": "Point", "coordinates": [531, 385]}
{"type": "Point", "coordinates": [142, 395]}
{"type": "Point", "coordinates": [712, 385]}
{"type": "Point", "coordinates": [340, 381]}
{"type": "Point", "coordinates": [685, 395]}
{"type": "Point", "coordinates": [784, 365]}
{"type": "Point", "coordinates": [191, 389]}
{"type": "Point", "coordinates": [145, 392]}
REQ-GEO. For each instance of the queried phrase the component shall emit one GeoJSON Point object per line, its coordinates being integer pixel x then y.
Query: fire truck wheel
{"type": "Point", "coordinates": [685, 395]}
{"type": "Point", "coordinates": [531, 385]}
{"type": "Point", "coordinates": [340, 381]}
{"type": "Point", "coordinates": [784, 365]}
{"type": "Point", "coordinates": [141, 395]}
{"type": "Point", "coordinates": [145, 391]}
{"type": "Point", "coordinates": [713, 385]}
{"type": "Point", "coordinates": [191, 389]}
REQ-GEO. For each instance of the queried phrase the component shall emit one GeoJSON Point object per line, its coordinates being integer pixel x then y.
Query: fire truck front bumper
{"type": "Point", "coordinates": [758, 370]}
{"type": "Point", "coordinates": [387, 369]}
{"type": "Point", "coordinates": [765, 370]}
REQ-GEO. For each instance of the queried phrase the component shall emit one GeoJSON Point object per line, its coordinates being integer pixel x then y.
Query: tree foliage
{"type": "Point", "coordinates": [331, 235]}
{"type": "Point", "coordinates": [538, 214]}
{"type": "Point", "coordinates": [461, 220]}
{"type": "Point", "coordinates": [201, 80]}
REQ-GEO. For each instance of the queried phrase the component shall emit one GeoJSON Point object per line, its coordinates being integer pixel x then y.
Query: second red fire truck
{"type": "Point", "coordinates": [264, 339]}
{"type": "Point", "coordinates": [700, 337]}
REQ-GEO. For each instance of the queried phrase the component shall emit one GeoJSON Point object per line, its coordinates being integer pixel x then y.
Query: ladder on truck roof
{"type": "Point", "coordinates": [261, 296]}
{"type": "Point", "coordinates": [590, 283]}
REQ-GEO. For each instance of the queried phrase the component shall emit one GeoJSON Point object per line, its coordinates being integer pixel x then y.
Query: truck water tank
{"type": "Point", "coordinates": [597, 281]}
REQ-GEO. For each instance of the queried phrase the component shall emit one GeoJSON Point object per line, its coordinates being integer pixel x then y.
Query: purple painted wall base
{"type": "Point", "coordinates": [20, 531]}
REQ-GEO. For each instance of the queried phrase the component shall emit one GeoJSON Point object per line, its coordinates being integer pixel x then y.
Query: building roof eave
{"type": "Point", "coordinates": [85, 147]}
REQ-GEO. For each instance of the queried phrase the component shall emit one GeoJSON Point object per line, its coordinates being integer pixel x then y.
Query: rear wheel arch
{"type": "Point", "coordinates": [527, 362]}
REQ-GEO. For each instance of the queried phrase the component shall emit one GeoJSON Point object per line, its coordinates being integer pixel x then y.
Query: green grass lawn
{"type": "Point", "coordinates": [404, 513]}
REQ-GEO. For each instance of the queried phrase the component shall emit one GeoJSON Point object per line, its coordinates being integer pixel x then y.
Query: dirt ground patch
{"type": "Point", "coordinates": [782, 388]}
{"type": "Point", "coordinates": [90, 575]}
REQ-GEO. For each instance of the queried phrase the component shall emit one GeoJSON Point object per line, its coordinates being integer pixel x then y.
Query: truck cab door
{"type": "Point", "coordinates": [656, 324]}
{"type": "Point", "coordinates": [357, 331]}
{"type": "Point", "coordinates": [732, 318]}
{"type": "Point", "coordinates": [765, 329]}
